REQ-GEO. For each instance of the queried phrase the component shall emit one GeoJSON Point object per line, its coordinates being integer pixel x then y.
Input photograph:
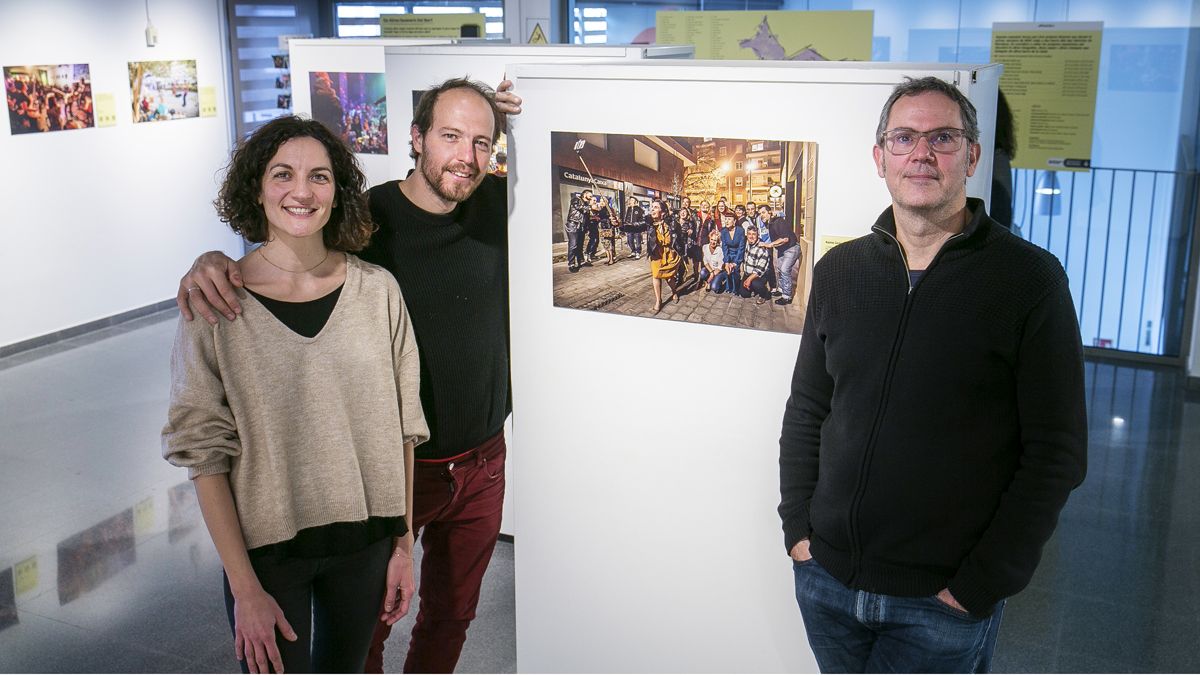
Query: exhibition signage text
{"type": "Point", "coordinates": [1049, 80]}
{"type": "Point", "coordinates": [431, 25]}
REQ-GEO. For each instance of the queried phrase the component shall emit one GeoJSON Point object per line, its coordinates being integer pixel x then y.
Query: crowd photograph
{"type": "Point", "coordinates": [48, 98]}
{"type": "Point", "coordinates": [354, 106]}
{"type": "Point", "coordinates": [707, 230]}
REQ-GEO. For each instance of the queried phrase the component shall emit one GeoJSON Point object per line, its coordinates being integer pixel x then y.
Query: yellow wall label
{"type": "Point", "coordinates": [208, 101]}
{"type": "Point", "coordinates": [829, 241]}
{"type": "Point", "coordinates": [105, 108]}
{"type": "Point", "coordinates": [1050, 76]}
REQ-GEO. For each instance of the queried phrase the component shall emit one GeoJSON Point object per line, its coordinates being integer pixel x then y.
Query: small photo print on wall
{"type": "Point", "coordinates": [48, 98]}
{"type": "Point", "coordinates": [354, 106]}
{"type": "Point", "coordinates": [163, 90]}
{"type": "Point", "coordinates": [705, 230]}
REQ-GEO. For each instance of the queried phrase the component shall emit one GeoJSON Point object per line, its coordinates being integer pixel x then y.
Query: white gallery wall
{"type": "Point", "coordinates": [101, 221]}
{"type": "Point", "coordinates": [648, 476]}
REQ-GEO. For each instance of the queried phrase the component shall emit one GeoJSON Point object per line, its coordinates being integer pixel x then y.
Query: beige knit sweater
{"type": "Point", "coordinates": [310, 430]}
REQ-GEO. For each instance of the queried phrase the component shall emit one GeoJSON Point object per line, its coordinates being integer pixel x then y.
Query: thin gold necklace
{"type": "Point", "coordinates": [284, 269]}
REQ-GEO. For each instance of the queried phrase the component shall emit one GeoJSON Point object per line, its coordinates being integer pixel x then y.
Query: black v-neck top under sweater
{"type": "Point", "coordinates": [453, 273]}
{"type": "Point", "coordinates": [304, 318]}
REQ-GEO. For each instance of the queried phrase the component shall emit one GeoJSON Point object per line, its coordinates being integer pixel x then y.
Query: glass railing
{"type": "Point", "coordinates": [1125, 237]}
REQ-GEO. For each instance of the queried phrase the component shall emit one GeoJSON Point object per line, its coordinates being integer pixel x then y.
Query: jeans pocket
{"type": "Point", "coordinates": [493, 468]}
{"type": "Point", "coordinates": [804, 563]}
{"type": "Point", "coordinates": [953, 611]}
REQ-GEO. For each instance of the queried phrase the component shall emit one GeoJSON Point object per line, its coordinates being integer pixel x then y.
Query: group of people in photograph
{"type": "Point", "coordinates": [35, 107]}
{"type": "Point", "coordinates": [750, 250]}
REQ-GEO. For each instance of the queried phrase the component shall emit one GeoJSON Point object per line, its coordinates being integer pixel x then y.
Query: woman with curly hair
{"type": "Point", "coordinates": [297, 423]}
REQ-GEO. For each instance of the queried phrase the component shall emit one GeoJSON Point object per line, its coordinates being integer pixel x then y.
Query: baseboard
{"type": "Point", "coordinates": [84, 328]}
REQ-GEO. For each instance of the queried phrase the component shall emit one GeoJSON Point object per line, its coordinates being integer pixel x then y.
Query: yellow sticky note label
{"type": "Point", "coordinates": [105, 108]}
{"type": "Point", "coordinates": [208, 101]}
{"type": "Point", "coordinates": [25, 575]}
{"type": "Point", "coordinates": [829, 241]}
{"type": "Point", "coordinates": [143, 516]}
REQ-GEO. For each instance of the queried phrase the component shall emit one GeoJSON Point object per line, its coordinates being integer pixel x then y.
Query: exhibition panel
{"type": "Point", "coordinates": [648, 478]}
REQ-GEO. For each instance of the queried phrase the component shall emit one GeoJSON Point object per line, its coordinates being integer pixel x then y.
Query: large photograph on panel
{"type": "Point", "coordinates": [722, 227]}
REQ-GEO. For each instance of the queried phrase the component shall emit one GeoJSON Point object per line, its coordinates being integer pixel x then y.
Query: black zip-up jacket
{"type": "Point", "coordinates": [934, 431]}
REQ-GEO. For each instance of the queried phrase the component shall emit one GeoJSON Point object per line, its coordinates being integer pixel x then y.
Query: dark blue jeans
{"type": "Point", "coordinates": [634, 239]}
{"type": "Point", "coordinates": [859, 632]}
{"type": "Point", "coordinates": [726, 281]}
{"type": "Point", "coordinates": [575, 248]}
{"type": "Point", "coordinates": [757, 287]}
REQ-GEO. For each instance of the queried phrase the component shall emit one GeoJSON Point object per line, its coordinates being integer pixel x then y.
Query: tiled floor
{"type": "Point", "coordinates": [105, 565]}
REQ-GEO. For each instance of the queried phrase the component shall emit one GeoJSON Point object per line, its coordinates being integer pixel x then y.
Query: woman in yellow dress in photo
{"type": "Point", "coordinates": [664, 259]}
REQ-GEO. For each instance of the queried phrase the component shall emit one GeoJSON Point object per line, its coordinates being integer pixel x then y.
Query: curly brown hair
{"type": "Point", "coordinates": [349, 227]}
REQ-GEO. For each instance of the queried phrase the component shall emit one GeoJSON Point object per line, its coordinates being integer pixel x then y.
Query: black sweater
{"type": "Point", "coordinates": [934, 432]}
{"type": "Point", "coordinates": [453, 273]}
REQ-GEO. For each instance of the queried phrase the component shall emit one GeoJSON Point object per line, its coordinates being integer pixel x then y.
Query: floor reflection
{"type": "Point", "coordinates": [8, 600]}
{"type": "Point", "coordinates": [89, 558]}
{"type": "Point", "coordinates": [1118, 583]}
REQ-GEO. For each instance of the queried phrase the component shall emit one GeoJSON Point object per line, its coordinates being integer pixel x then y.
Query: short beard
{"type": "Point", "coordinates": [434, 178]}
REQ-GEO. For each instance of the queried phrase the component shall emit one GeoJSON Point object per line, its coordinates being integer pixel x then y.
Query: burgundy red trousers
{"type": "Point", "coordinates": [457, 506]}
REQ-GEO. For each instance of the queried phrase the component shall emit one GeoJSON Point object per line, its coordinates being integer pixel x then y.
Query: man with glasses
{"type": "Point", "coordinates": [936, 422]}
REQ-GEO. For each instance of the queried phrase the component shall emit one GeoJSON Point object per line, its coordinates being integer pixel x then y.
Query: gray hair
{"type": "Point", "coordinates": [911, 87]}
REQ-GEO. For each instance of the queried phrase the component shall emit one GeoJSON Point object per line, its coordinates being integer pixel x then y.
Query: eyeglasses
{"type": "Point", "coordinates": [904, 141]}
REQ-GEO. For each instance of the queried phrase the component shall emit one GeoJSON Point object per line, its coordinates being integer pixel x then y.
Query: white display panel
{"type": "Point", "coordinates": [105, 220]}
{"type": "Point", "coordinates": [648, 475]}
{"type": "Point", "coordinates": [412, 69]}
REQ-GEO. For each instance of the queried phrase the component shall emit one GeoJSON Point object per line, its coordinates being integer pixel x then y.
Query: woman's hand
{"type": "Point", "coordinates": [208, 286]}
{"type": "Point", "coordinates": [256, 615]}
{"type": "Point", "coordinates": [397, 596]}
